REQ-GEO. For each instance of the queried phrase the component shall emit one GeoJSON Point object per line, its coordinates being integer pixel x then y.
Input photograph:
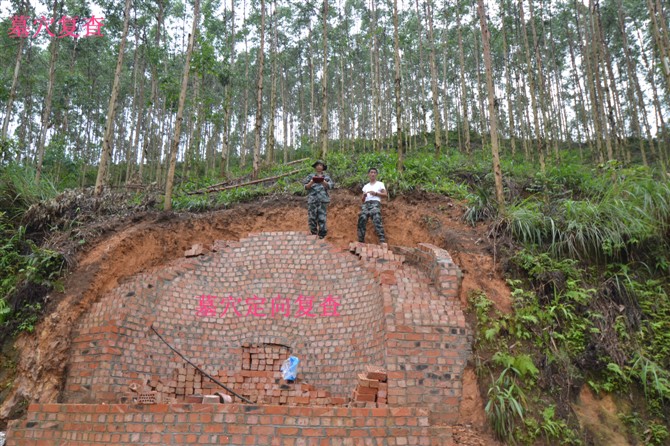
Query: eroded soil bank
{"type": "Point", "coordinates": [137, 243]}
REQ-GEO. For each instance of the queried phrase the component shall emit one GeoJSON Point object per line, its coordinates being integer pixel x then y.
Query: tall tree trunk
{"type": "Point", "coordinates": [661, 43]}
{"type": "Point", "coordinates": [155, 109]}
{"type": "Point", "coordinates": [374, 67]}
{"type": "Point", "coordinates": [531, 86]}
{"type": "Point", "coordinates": [497, 172]}
{"type": "Point", "coordinates": [541, 84]}
{"type": "Point", "coordinates": [312, 87]}
{"type": "Point", "coordinates": [526, 133]}
{"type": "Point", "coordinates": [580, 107]}
{"type": "Point", "coordinates": [228, 97]}
{"type": "Point", "coordinates": [397, 84]}
{"type": "Point", "coordinates": [85, 154]}
{"type": "Point", "coordinates": [120, 143]}
{"type": "Point", "coordinates": [563, 132]}
{"type": "Point", "coordinates": [174, 147]}
{"type": "Point", "coordinates": [46, 112]}
{"type": "Point", "coordinates": [342, 115]}
{"type": "Point", "coordinates": [632, 83]}
{"type": "Point", "coordinates": [590, 82]}
{"type": "Point", "coordinates": [597, 77]}
{"type": "Point", "coordinates": [270, 151]}
{"type": "Point", "coordinates": [663, 21]}
{"type": "Point", "coordinates": [243, 148]}
{"type": "Point", "coordinates": [422, 89]}
{"type": "Point", "coordinates": [284, 108]}
{"type": "Point", "coordinates": [26, 121]}
{"type": "Point", "coordinates": [66, 99]}
{"type": "Point", "coordinates": [212, 140]}
{"type": "Point", "coordinates": [446, 101]}
{"type": "Point", "coordinates": [481, 92]}
{"type": "Point", "coordinates": [433, 80]}
{"type": "Point", "coordinates": [464, 90]}
{"type": "Point", "coordinates": [12, 90]}
{"type": "Point", "coordinates": [162, 149]}
{"type": "Point", "coordinates": [195, 127]}
{"type": "Point", "coordinates": [609, 84]}
{"type": "Point", "coordinates": [106, 155]}
{"type": "Point", "coordinates": [345, 137]}
{"type": "Point", "coordinates": [324, 85]}
{"type": "Point", "coordinates": [132, 151]}
{"type": "Point", "coordinates": [259, 96]}
{"type": "Point", "coordinates": [641, 104]}
{"type": "Point", "coordinates": [660, 122]}
{"type": "Point", "coordinates": [508, 79]}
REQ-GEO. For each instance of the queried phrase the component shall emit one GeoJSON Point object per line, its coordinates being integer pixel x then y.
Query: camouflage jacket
{"type": "Point", "coordinates": [318, 193]}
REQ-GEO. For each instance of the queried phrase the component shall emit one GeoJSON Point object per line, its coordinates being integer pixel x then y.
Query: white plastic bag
{"type": "Point", "coordinates": [289, 368]}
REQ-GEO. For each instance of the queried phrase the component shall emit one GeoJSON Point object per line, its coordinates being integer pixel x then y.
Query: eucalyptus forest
{"type": "Point", "coordinates": [548, 120]}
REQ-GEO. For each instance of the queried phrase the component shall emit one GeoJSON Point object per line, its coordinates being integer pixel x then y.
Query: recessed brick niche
{"type": "Point", "coordinates": [244, 307]}
{"type": "Point", "coordinates": [238, 312]}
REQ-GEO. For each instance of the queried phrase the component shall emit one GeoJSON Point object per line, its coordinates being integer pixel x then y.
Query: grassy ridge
{"type": "Point", "coordinates": [588, 260]}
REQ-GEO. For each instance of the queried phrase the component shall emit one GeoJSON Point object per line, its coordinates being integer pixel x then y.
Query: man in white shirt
{"type": "Point", "coordinates": [372, 207]}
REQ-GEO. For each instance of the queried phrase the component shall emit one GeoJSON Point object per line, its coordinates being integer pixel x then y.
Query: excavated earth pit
{"type": "Point", "coordinates": [380, 332]}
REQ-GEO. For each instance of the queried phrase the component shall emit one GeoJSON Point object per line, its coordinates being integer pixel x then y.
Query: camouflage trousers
{"type": "Point", "coordinates": [371, 209]}
{"type": "Point", "coordinates": [316, 218]}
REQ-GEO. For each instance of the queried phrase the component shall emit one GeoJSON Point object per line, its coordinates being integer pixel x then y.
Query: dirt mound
{"type": "Point", "coordinates": [132, 244]}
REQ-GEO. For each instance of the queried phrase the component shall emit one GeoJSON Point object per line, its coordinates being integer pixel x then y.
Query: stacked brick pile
{"type": "Point", "coordinates": [137, 394]}
{"type": "Point", "coordinates": [268, 387]}
{"type": "Point", "coordinates": [379, 256]}
{"type": "Point", "coordinates": [183, 382]}
{"type": "Point", "coordinates": [372, 388]}
{"type": "Point", "coordinates": [259, 386]}
{"type": "Point", "coordinates": [263, 356]}
{"type": "Point", "coordinates": [187, 380]}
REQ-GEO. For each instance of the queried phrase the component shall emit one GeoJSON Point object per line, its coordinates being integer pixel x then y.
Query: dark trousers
{"type": "Point", "coordinates": [371, 209]}
{"type": "Point", "coordinates": [316, 218]}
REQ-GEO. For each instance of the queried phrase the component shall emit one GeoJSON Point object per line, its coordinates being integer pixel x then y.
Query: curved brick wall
{"type": "Point", "coordinates": [191, 302]}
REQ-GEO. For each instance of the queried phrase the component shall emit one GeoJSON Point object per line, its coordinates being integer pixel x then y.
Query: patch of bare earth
{"type": "Point", "coordinates": [134, 244]}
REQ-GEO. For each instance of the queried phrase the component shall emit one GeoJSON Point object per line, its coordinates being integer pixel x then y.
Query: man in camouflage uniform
{"type": "Point", "coordinates": [318, 184]}
{"type": "Point", "coordinates": [373, 192]}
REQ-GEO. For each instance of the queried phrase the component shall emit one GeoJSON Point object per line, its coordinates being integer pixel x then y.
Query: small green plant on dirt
{"type": "Point", "coordinates": [481, 206]}
{"type": "Point", "coordinates": [649, 432]}
{"type": "Point", "coordinates": [27, 318]}
{"type": "Point", "coordinates": [549, 428]}
{"type": "Point", "coordinates": [506, 405]}
{"type": "Point", "coordinates": [655, 381]}
{"type": "Point", "coordinates": [5, 310]}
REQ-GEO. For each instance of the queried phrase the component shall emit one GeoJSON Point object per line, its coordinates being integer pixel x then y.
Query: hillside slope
{"type": "Point", "coordinates": [140, 242]}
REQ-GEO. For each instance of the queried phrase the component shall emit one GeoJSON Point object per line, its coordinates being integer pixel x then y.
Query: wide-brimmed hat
{"type": "Point", "coordinates": [320, 162]}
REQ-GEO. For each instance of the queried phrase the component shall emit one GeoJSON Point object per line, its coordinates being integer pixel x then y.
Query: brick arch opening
{"type": "Point", "coordinates": [269, 289]}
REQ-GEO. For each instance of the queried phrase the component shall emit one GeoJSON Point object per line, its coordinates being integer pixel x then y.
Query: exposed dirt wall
{"type": "Point", "coordinates": [141, 244]}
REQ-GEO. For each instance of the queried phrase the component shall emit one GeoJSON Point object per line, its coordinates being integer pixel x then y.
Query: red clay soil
{"type": "Point", "coordinates": [155, 239]}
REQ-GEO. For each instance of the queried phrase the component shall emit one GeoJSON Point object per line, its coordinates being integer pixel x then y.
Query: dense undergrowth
{"type": "Point", "coordinates": [27, 270]}
{"type": "Point", "coordinates": [586, 250]}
